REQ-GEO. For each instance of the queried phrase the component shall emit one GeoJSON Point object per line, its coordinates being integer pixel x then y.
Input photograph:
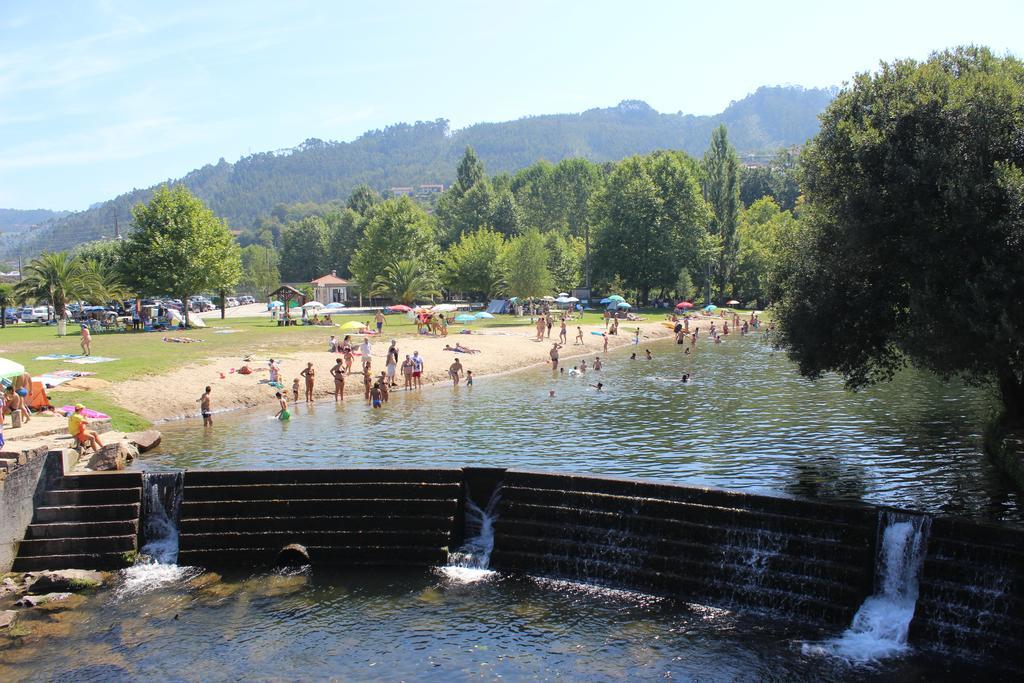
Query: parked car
{"type": "Point", "coordinates": [231, 302]}
{"type": "Point", "coordinates": [243, 300]}
{"type": "Point", "coordinates": [37, 314]}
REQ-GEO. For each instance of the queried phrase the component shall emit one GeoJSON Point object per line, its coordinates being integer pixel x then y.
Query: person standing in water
{"type": "Point", "coordinates": [310, 374]}
{"type": "Point", "coordinates": [455, 372]}
{"type": "Point", "coordinates": [204, 408]}
{"type": "Point", "coordinates": [282, 413]}
{"type": "Point", "coordinates": [375, 394]}
{"type": "Point", "coordinates": [338, 372]}
{"type": "Point", "coordinates": [417, 369]}
{"type": "Point", "coordinates": [554, 356]}
{"type": "Point", "coordinates": [604, 336]}
{"type": "Point", "coordinates": [295, 390]}
{"type": "Point", "coordinates": [407, 366]}
{"type": "Point", "coordinates": [392, 362]}
{"type": "Point", "coordinates": [469, 378]}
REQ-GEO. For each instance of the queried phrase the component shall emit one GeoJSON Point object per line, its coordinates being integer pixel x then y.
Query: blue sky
{"type": "Point", "coordinates": [99, 96]}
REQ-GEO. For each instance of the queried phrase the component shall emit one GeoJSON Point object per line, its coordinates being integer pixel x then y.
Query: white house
{"type": "Point", "coordinates": [330, 288]}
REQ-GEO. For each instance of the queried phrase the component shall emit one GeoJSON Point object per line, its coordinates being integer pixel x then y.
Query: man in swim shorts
{"type": "Point", "coordinates": [407, 366]}
{"type": "Point", "coordinates": [375, 395]}
{"type": "Point", "coordinates": [380, 321]}
{"type": "Point", "coordinates": [204, 408]}
{"type": "Point", "coordinates": [455, 372]}
{"type": "Point", "coordinates": [417, 369]}
{"type": "Point", "coordinates": [282, 414]}
{"type": "Point", "coordinates": [554, 356]}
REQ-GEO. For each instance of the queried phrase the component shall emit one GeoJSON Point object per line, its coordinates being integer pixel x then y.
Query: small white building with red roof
{"type": "Point", "coordinates": [329, 289]}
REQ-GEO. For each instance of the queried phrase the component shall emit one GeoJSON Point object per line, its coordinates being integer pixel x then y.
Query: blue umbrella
{"type": "Point", "coordinates": [615, 297]}
{"type": "Point", "coordinates": [483, 314]}
{"type": "Point", "coordinates": [711, 307]}
{"type": "Point", "coordinates": [465, 318]}
{"type": "Point", "coordinates": [606, 300]}
{"type": "Point", "coordinates": [623, 304]}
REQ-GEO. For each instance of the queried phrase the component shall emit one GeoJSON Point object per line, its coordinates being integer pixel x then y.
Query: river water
{"type": "Point", "coordinates": [747, 421]}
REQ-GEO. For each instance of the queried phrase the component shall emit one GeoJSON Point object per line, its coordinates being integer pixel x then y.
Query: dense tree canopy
{"type": "Point", "coordinates": [396, 230]}
{"type": "Point", "coordinates": [722, 189]}
{"type": "Point", "coordinates": [911, 247]}
{"type": "Point", "coordinates": [178, 247]}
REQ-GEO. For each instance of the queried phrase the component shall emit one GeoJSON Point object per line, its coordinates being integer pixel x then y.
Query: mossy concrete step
{"type": "Point", "coordinates": [355, 539]}
{"type": "Point", "coordinates": [81, 529]}
{"type": "Point", "coordinates": [87, 513]}
{"type": "Point", "coordinates": [345, 555]}
{"type": "Point", "coordinates": [261, 508]}
{"type": "Point", "coordinates": [31, 563]}
{"type": "Point", "coordinates": [100, 480]}
{"type": "Point", "coordinates": [329, 490]}
{"type": "Point", "coordinates": [57, 498]}
{"type": "Point", "coordinates": [212, 525]}
{"type": "Point", "coordinates": [77, 546]}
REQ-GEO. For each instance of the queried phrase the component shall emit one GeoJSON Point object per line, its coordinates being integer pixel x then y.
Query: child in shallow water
{"type": "Point", "coordinates": [282, 403]}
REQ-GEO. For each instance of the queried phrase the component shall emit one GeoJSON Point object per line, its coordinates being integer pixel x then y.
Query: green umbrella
{"type": "Point", "coordinates": [9, 369]}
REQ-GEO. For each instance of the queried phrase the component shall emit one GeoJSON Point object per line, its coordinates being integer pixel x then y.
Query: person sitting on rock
{"type": "Point", "coordinates": [76, 428]}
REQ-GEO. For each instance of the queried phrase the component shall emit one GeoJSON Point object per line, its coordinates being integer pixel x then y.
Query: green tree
{"type": "Point", "coordinates": [58, 278]}
{"type": "Point", "coordinates": [765, 232]}
{"type": "Point", "coordinates": [344, 230]}
{"type": "Point", "coordinates": [397, 230]}
{"type": "Point", "coordinates": [475, 210]}
{"type": "Point", "coordinates": [506, 218]}
{"type": "Point", "coordinates": [406, 281]}
{"type": "Point", "coordinates": [362, 199]}
{"type": "Point", "coordinates": [652, 222]}
{"type": "Point", "coordinates": [525, 265]}
{"type": "Point", "coordinates": [911, 246]}
{"type": "Point", "coordinates": [7, 299]}
{"type": "Point", "coordinates": [565, 258]}
{"type": "Point", "coordinates": [472, 264]}
{"type": "Point", "coordinates": [469, 172]}
{"type": "Point", "coordinates": [577, 180]}
{"type": "Point", "coordinates": [109, 284]}
{"type": "Point", "coordinates": [179, 248]}
{"type": "Point", "coordinates": [304, 250]}
{"type": "Point", "coordinates": [722, 190]}
{"type": "Point", "coordinates": [259, 269]}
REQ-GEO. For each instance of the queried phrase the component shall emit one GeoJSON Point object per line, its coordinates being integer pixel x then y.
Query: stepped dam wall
{"type": "Point", "coordinates": [809, 561]}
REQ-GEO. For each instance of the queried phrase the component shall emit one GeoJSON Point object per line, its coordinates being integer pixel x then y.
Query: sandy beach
{"type": "Point", "coordinates": [174, 395]}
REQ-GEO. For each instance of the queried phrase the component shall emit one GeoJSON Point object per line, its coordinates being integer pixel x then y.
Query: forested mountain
{"type": "Point", "coordinates": [19, 220]}
{"type": "Point", "coordinates": [427, 152]}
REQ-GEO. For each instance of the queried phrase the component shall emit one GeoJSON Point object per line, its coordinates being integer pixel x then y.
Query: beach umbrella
{"type": "Point", "coordinates": [615, 297]}
{"type": "Point", "coordinates": [561, 300]}
{"type": "Point", "coordinates": [684, 304]}
{"type": "Point", "coordinates": [275, 304]}
{"type": "Point", "coordinates": [622, 304]}
{"type": "Point", "coordinates": [465, 318]}
{"type": "Point", "coordinates": [711, 307]}
{"type": "Point", "coordinates": [313, 304]}
{"type": "Point", "coordinates": [352, 325]}
{"type": "Point", "coordinates": [444, 308]}
{"type": "Point", "coordinates": [564, 294]}
{"type": "Point", "coordinates": [335, 304]}
{"type": "Point", "coordinates": [484, 314]}
{"type": "Point", "coordinates": [732, 302]}
{"type": "Point", "coordinates": [9, 369]}
{"type": "Point", "coordinates": [400, 308]}
{"type": "Point", "coordinates": [571, 299]}
{"type": "Point", "coordinates": [548, 298]}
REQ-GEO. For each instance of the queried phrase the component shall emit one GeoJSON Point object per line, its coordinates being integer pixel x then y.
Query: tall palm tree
{"type": "Point", "coordinates": [109, 286]}
{"type": "Point", "coordinates": [405, 281]}
{"type": "Point", "coordinates": [58, 278]}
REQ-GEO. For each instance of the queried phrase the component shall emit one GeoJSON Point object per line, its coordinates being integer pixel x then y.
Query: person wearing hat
{"type": "Point", "coordinates": [76, 428]}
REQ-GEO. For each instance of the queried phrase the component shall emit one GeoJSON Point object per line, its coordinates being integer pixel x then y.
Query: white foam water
{"type": "Point", "coordinates": [469, 564]}
{"type": "Point", "coordinates": [157, 565]}
{"type": "Point", "coordinates": [880, 626]}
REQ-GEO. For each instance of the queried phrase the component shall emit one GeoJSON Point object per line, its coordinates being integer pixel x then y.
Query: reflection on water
{"type": "Point", "coordinates": [413, 625]}
{"type": "Point", "coordinates": [746, 421]}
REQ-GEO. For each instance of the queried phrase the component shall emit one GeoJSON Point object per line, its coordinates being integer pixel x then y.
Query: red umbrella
{"type": "Point", "coordinates": [684, 304]}
{"type": "Point", "coordinates": [401, 308]}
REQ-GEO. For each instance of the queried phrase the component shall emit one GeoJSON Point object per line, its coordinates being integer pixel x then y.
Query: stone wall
{"type": "Point", "coordinates": [24, 481]}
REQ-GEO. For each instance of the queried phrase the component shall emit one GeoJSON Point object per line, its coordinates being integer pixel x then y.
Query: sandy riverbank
{"type": "Point", "coordinates": [174, 395]}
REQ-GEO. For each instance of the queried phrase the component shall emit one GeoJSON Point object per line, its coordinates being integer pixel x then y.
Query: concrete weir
{"type": "Point", "coordinates": [804, 560]}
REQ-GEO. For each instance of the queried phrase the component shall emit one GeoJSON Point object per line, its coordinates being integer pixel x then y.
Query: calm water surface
{"type": "Point", "coordinates": [746, 421]}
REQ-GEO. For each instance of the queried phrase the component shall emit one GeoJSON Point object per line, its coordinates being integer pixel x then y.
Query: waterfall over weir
{"type": "Point", "coordinates": [472, 560]}
{"type": "Point", "coordinates": [161, 509]}
{"type": "Point", "coordinates": [880, 627]}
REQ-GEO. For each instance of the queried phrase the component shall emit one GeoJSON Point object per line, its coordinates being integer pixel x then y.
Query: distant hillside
{"type": "Point", "coordinates": [18, 220]}
{"type": "Point", "coordinates": [427, 152]}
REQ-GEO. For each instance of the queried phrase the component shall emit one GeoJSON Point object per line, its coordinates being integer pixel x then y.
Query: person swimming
{"type": "Point", "coordinates": [598, 386]}
{"type": "Point", "coordinates": [685, 378]}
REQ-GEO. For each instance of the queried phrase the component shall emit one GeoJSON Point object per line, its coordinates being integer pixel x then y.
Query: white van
{"type": "Point", "coordinates": [38, 314]}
